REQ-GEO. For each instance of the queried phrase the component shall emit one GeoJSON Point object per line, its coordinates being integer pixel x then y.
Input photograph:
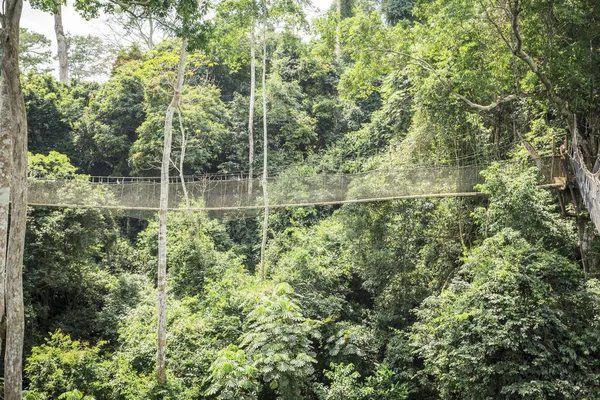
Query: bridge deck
{"type": "Point", "coordinates": [231, 192]}
{"type": "Point", "coordinates": [589, 186]}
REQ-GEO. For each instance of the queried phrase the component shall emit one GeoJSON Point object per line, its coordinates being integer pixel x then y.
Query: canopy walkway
{"type": "Point", "coordinates": [229, 192]}
{"type": "Point", "coordinates": [588, 182]}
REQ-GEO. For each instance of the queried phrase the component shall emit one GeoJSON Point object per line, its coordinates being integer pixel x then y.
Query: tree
{"type": "Point", "coordinates": [233, 376]}
{"type": "Point", "coordinates": [516, 202]}
{"type": "Point", "coordinates": [162, 227]}
{"type": "Point", "coordinates": [278, 340]}
{"type": "Point", "coordinates": [397, 10]}
{"type": "Point", "coordinates": [132, 30]}
{"type": "Point", "coordinates": [87, 57]}
{"type": "Point", "coordinates": [13, 189]}
{"type": "Point", "coordinates": [108, 127]}
{"type": "Point", "coordinates": [34, 52]}
{"type": "Point", "coordinates": [518, 322]}
{"type": "Point", "coordinates": [49, 106]}
{"type": "Point", "coordinates": [251, 105]}
{"type": "Point", "coordinates": [204, 116]}
{"type": "Point", "coordinates": [55, 8]}
{"type": "Point", "coordinates": [62, 45]}
{"type": "Point", "coordinates": [189, 14]}
{"type": "Point", "coordinates": [265, 224]}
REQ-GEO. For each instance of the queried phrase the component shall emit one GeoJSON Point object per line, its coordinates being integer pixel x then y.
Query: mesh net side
{"type": "Point", "coordinates": [232, 194]}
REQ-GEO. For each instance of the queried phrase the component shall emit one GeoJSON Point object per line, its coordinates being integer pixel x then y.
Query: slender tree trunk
{"type": "Point", "coordinates": [265, 163]}
{"type": "Point", "coordinates": [162, 220]}
{"type": "Point", "coordinates": [251, 110]}
{"type": "Point", "coordinates": [13, 170]}
{"type": "Point", "coordinates": [61, 41]}
{"type": "Point", "coordinates": [150, 41]}
{"type": "Point", "coordinates": [338, 33]}
{"type": "Point", "coordinates": [181, 160]}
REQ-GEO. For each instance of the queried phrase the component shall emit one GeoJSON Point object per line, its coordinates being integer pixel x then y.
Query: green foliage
{"type": "Point", "coordinates": [87, 56]}
{"type": "Point", "coordinates": [48, 104]}
{"type": "Point", "coordinates": [502, 309]}
{"type": "Point", "coordinates": [233, 376]}
{"type": "Point", "coordinates": [34, 52]}
{"type": "Point", "coordinates": [68, 256]}
{"type": "Point", "coordinates": [516, 202]}
{"type": "Point", "coordinates": [397, 10]}
{"type": "Point", "coordinates": [53, 166]}
{"type": "Point", "coordinates": [63, 365]}
{"type": "Point", "coordinates": [196, 250]}
{"type": "Point", "coordinates": [204, 116]}
{"type": "Point", "coordinates": [108, 127]}
{"type": "Point", "coordinates": [345, 384]}
{"type": "Point", "coordinates": [383, 385]}
{"type": "Point", "coordinates": [278, 340]}
{"type": "Point", "coordinates": [312, 261]}
{"type": "Point", "coordinates": [75, 395]}
{"type": "Point", "coordinates": [190, 344]}
{"type": "Point", "coordinates": [516, 323]}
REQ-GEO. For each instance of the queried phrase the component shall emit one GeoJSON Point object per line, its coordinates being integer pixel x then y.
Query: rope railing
{"type": "Point", "coordinates": [589, 183]}
{"type": "Point", "coordinates": [232, 193]}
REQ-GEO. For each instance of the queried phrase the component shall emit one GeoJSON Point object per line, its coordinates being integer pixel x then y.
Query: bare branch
{"type": "Point", "coordinates": [489, 107]}
{"type": "Point", "coordinates": [174, 164]}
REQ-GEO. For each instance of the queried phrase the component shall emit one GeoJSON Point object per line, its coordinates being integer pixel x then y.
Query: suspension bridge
{"type": "Point", "coordinates": [229, 192]}
{"type": "Point", "coordinates": [588, 182]}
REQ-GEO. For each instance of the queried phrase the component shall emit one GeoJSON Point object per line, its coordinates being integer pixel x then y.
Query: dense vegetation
{"type": "Point", "coordinates": [489, 297]}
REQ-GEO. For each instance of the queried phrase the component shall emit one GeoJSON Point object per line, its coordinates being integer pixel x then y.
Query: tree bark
{"type": "Point", "coordinates": [531, 150]}
{"type": "Point", "coordinates": [150, 39]}
{"type": "Point", "coordinates": [265, 162]}
{"type": "Point", "coordinates": [13, 170]}
{"type": "Point", "coordinates": [251, 110]}
{"type": "Point", "coordinates": [61, 41]}
{"type": "Point", "coordinates": [181, 161]}
{"type": "Point", "coordinates": [517, 49]}
{"type": "Point", "coordinates": [162, 220]}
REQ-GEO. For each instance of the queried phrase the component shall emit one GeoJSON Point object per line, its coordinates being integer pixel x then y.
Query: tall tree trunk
{"type": "Point", "coordinates": [251, 110]}
{"type": "Point", "coordinates": [162, 220]}
{"type": "Point", "coordinates": [265, 164]}
{"type": "Point", "coordinates": [338, 33]}
{"type": "Point", "coordinates": [13, 150]}
{"type": "Point", "coordinates": [150, 40]}
{"type": "Point", "coordinates": [181, 161]}
{"type": "Point", "coordinates": [61, 41]}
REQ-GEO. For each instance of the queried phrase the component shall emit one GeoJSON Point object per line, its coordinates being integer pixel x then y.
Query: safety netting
{"type": "Point", "coordinates": [588, 182]}
{"type": "Point", "coordinates": [229, 192]}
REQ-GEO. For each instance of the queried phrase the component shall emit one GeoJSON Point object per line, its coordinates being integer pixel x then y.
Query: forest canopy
{"type": "Point", "coordinates": [493, 295]}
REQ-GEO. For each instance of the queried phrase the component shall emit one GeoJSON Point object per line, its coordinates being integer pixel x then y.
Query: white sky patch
{"type": "Point", "coordinates": [42, 22]}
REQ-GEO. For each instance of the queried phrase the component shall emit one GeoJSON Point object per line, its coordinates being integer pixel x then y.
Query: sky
{"type": "Point", "coordinates": [43, 23]}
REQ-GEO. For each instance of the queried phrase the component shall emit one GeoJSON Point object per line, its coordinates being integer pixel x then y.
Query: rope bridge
{"type": "Point", "coordinates": [588, 182]}
{"type": "Point", "coordinates": [230, 192]}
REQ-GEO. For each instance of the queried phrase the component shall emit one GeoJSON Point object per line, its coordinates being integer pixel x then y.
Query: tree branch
{"type": "Point", "coordinates": [488, 107]}
{"type": "Point", "coordinates": [425, 65]}
{"type": "Point", "coordinates": [493, 22]}
{"type": "Point", "coordinates": [518, 51]}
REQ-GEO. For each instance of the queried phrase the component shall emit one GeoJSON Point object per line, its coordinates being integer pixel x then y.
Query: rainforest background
{"type": "Point", "coordinates": [489, 297]}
